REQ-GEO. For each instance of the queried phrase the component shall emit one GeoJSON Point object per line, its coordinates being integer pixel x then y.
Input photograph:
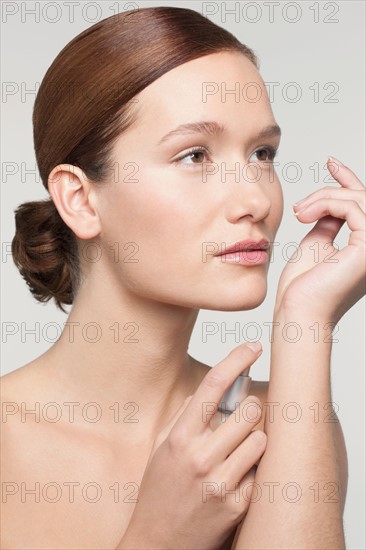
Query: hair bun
{"type": "Point", "coordinates": [44, 250]}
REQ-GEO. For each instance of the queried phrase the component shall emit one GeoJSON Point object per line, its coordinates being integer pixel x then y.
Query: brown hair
{"type": "Point", "coordinates": [84, 103]}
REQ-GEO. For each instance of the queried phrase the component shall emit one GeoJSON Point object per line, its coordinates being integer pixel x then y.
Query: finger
{"type": "Point", "coordinates": [357, 195]}
{"type": "Point", "coordinates": [248, 489]}
{"type": "Point", "coordinates": [343, 174]}
{"type": "Point", "coordinates": [241, 493]}
{"type": "Point", "coordinates": [244, 457]}
{"type": "Point", "coordinates": [345, 210]}
{"type": "Point", "coordinates": [243, 462]}
{"type": "Point", "coordinates": [236, 428]}
{"type": "Point", "coordinates": [244, 493]}
{"type": "Point", "coordinates": [205, 401]}
{"type": "Point", "coordinates": [347, 265]}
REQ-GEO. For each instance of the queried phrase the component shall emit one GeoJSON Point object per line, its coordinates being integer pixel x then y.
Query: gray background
{"type": "Point", "coordinates": [311, 47]}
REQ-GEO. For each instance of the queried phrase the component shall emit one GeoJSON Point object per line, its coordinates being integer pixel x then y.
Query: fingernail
{"type": "Point", "coordinates": [334, 160]}
{"type": "Point", "coordinates": [255, 346]}
{"type": "Point", "coordinates": [299, 202]}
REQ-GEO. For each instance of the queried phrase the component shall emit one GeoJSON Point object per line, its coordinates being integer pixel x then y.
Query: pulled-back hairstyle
{"type": "Point", "coordinates": [84, 103]}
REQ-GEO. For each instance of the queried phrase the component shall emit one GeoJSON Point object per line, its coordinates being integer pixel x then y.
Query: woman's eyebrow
{"type": "Point", "coordinates": [214, 128]}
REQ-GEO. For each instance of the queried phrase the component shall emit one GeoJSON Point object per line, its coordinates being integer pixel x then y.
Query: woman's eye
{"type": "Point", "coordinates": [266, 154]}
{"type": "Point", "coordinates": [196, 155]}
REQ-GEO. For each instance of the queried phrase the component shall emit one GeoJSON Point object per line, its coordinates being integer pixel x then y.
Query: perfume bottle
{"type": "Point", "coordinates": [235, 394]}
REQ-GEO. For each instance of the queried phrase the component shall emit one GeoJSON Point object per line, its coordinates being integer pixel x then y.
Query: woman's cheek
{"type": "Point", "coordinates": [277, 202]}
{"type": "Point", "coordinates": [155, 228]}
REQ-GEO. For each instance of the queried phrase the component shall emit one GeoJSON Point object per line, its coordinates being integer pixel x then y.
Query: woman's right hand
{"type": "Point", "coordinates": [197, 483]}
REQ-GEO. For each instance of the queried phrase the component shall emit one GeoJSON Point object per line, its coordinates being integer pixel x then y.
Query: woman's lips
{"type": "Point", "coordinates": [246, 252]}
{"type": "Point", "coordinates": [246, 257]}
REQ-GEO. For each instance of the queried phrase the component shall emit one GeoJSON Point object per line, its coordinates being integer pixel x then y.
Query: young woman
{"type": "Point", "coordinates": [134, 140]}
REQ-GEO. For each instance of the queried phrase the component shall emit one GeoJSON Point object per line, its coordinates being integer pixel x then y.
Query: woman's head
{"type": "Point", "coordinates": [102, 110]}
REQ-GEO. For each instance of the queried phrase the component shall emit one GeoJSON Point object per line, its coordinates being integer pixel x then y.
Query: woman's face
{"type": "Point", "coordinates": [171, 211]}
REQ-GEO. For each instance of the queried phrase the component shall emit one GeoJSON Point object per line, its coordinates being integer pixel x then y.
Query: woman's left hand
{"type": "Point", "coordinates": [319, 278]}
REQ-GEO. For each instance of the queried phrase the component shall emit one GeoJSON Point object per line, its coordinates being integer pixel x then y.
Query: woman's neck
{"type": "Point", "coordinates": [126, 350]}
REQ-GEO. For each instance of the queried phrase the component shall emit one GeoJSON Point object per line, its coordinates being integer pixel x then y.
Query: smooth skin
{"type": "Point", "coordinates": [209, 468]}
{"type": "Point", "coordinates": [164, 219]}
{"type": "Point", "coordinates": [169, 213]}
{"type": "Point", "coordinates": [309, 454]}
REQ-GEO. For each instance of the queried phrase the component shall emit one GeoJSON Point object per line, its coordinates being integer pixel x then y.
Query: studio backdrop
{"type": "Point", "coordinates": [312, 59]}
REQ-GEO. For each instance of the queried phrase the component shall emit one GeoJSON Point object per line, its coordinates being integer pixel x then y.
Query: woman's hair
{"type": "Point", "coordinates": [84, 103]}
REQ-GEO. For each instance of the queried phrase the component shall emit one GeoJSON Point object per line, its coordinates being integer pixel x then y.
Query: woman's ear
{"type": "Point", "coordinates": [74, 198]}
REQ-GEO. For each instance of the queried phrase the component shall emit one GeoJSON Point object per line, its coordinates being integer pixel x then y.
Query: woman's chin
{"type": "Point", "coordinates": [235, 301]}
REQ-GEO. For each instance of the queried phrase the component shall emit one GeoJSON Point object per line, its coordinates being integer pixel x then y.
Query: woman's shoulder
{"type": "Point", "coordinates": [21, 390]}
{"type": "Point", "coordinates": [21, 375]}
{"type": "Point", "coordinates": [16, 385]}
{"type": "Point", "coordinates": [26, 394]}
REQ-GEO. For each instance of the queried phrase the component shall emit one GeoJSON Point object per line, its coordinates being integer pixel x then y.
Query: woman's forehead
{"type": "Point", "coordinates": [204, 89]}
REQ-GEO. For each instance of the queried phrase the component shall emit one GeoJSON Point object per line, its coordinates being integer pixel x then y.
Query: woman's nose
{"type": "Point", "coordinates": [247, 197]}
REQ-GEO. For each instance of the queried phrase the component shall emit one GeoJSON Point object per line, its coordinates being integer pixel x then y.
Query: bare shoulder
{"type": "Point", "coordinates": [17, 448]}
{"type": "Point", "coordinates": [23, 392]}
{"type": "Point", "coordinates": [16, 388]}
{"type": "Point", "coordinates": [19, 379]}
{"type": "Point", "coordinates": [48, 464]}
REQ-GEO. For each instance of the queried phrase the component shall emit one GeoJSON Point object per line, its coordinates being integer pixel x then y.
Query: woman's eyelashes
{"type": "Point", "coordinates": [267, 152]}
{"type": "Point", "coordinates": [193, 151]}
